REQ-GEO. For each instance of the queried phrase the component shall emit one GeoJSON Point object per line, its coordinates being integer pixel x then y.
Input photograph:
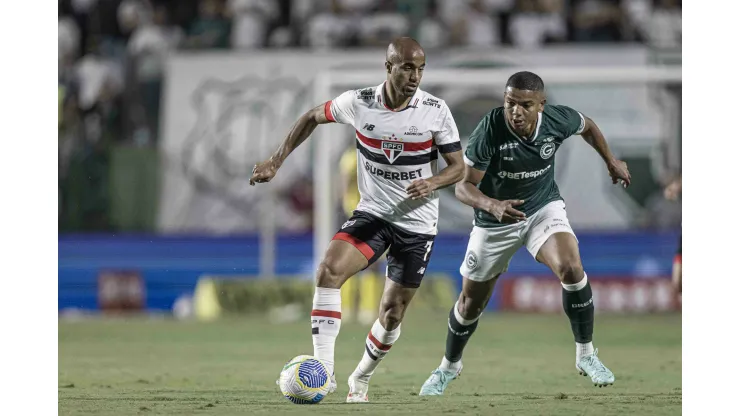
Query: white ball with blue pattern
{"type": "Point", "coordinates": [304, 380]}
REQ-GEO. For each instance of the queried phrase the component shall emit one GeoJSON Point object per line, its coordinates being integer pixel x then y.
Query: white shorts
{"type": "Point", "coordinates": [490, 249]}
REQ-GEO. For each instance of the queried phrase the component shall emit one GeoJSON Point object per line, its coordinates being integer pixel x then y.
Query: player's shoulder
{"type": "Point", "coordinates": [559, 112]}
{"type": "Point", "coordinates": [489, 125]}
{"type": "Point", "coordinates": [494, 118]}
{"type": "Point", "coordinates": [358, 97]}
{"type": "Point", "coordinates": [430, 101]}
{"type": "Point", "coordinates": [365, 94]}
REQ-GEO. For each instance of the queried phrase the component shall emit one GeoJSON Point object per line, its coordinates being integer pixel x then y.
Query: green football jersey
{"type": "Point", "coordinates": [517, 168]}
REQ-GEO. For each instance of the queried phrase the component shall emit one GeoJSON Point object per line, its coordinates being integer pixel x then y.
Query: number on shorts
{"type": "Point", "coordinates": [429, 248]}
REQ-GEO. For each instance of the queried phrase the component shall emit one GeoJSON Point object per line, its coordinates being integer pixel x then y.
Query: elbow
{"type": "Point", "coordinates": [589, 127]}
{"type": "Point", "coordinates": [460, 190]}
{"type": "Point", "coordinates": [313, 117]}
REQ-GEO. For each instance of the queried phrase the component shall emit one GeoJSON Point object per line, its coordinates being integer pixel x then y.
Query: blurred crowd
{"type": "Point", "coordinates": [112, 52]}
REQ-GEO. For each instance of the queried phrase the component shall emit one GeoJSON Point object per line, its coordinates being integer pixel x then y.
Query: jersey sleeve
{"type": "Point", "coordinates": [571, 121]}
{"type": "Point", "coordinates": [342, 108]}
{"type": "Point", "coordinates": [446, 136]}
{"type": "Point", "coordinates": [480, 147]}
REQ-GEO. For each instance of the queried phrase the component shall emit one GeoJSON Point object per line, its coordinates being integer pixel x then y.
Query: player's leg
{"type": "Point", "coordinates": [488, 255]}
{"type": "Point", "coordinates": [551, 241]}
{"type": "Point", "coordinates": [370, 284]}
{"type": "Point", "coordinates": [355, 246]}
{"type": "Point", "coordinates": [463, 319]}
{"type": "Point", "coordinates": [407, 261]}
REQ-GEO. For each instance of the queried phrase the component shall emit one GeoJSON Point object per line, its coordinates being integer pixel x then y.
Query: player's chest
{"type": "Point", "coordinates": [513, 154]}
{"type": "Point", "coordinates": [408, 126]}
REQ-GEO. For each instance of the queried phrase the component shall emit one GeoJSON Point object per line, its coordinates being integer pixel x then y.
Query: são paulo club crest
{"type": "Point", "coordinates": [392, 147]}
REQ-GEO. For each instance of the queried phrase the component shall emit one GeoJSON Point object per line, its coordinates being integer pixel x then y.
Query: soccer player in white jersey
{"type": "Point", "coordinates": [400, 132]}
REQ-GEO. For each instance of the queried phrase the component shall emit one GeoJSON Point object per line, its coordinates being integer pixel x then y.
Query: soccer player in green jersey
{"type": "Point", "coordinates": [510, 181]}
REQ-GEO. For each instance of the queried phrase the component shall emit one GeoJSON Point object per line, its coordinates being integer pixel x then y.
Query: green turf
{"type": "Point", "coordinates": [521, 364]}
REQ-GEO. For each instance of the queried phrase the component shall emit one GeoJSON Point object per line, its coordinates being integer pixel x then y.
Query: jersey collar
{"type": "Point", "coordinates": [380, 98]}
{"type": "Point", "coordinates": [534, 135]}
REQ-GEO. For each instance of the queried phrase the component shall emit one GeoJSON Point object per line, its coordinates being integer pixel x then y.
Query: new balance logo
{"type": "Point", "coordinates": [422, 270]}
{"type": "Point", "coordinates": [368, 127]}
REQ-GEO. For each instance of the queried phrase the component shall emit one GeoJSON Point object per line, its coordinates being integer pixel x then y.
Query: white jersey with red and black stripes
{"type": "Point", "coordinates": [395, 148]}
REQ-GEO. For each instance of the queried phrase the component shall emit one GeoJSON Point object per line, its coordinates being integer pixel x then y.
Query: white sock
{"type": "Point", "coordinates": [447, 365]}
{"type": "Point", "coordinates": [575, 287]}
{"type": "Point", "coordinates": [583, 350]}
{"type": "Point", "coordinates": [326, 320]}
{"type": "Point", "coordinates": [377, 344]}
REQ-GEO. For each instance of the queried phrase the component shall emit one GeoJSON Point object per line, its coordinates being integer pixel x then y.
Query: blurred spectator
{"type": "Point", "coordinates": [69, 44]}
{"type": "Point", "coordinates": [150, 43]}
{"type": "Point", "coordinates": [148, 48]}
{"type": "Point", "coordinates": [131, 14]}
{"type": "Point", "coordinates": [658, 21]}
{"type": "Point", "coordinates": [381, 26]}
{"type": "Point", "coordinates": [96, 77]}
{"type": "Point", "coordinates": [536, 22]}
{"type": "Point", "coordinates": [250, 20]}
{"type": "Point", "coordinates": [597, 21]}
{"type": "Point", "coordinates": [332, 28]}
{"type": "Point", "coordinates": [210, 30]}
{"type": "Point", "coordinates": [432, 31]}
{"type": "Point", "coordinates": [475, 24]}
{"type": "Point", "coordinates": [83, 6]}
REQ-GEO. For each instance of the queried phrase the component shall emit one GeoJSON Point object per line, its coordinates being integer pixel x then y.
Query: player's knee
{"type": "Point", "coordinates": [329, 275]}
{"type": "Point", "coordinates": [570, 272]}
{"type": "Point", "coordinates": [391, 314]}
{"type": "Point", "coordinates": [470, 308]}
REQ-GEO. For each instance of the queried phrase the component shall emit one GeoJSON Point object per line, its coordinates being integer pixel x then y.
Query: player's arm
{"type": "Point", "coordinates": [450, 175]}
{"type": "Point", "coordinates": [477, 158]}
{"type": "Point", "coordinates": [595, 138]}
{"type": "Point", "coordinates": [468, 193]}
{"type": "Point", "coordinates": [302, 128]}
{"type": "Point", "coordinates": [447, 140]}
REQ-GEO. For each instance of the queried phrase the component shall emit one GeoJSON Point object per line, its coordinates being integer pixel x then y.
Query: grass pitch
{"type": "Point", "coordinates": [514, 364]}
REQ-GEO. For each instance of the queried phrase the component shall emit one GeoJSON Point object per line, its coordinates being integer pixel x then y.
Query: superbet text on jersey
{"type": "Point", "coordinates": [395, 148]}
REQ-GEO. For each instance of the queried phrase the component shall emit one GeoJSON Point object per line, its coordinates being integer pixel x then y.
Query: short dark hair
{"type": "Point", "coordinates": [526, 80]}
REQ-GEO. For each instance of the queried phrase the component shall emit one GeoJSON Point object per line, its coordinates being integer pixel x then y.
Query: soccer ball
{"type": "Point", "coordinates": [304, 380]}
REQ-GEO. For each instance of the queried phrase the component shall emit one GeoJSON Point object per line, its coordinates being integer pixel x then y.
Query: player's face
{"type": "Point", "coordinates": [522, 108]}
{"type": "Point", "coordinates": [405, 76]}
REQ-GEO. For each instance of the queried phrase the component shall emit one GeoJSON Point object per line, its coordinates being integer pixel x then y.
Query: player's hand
{"type": "Point", "coordinates": [505, 212]}
{"type": "Point", "coordinates": [672, 191]}
{"type": "Point", "coordinates": [619, 172]}
{"type": "Point", "coordinates": [420, 188]}
{"type": "Point", "coordinates": [263, 172]}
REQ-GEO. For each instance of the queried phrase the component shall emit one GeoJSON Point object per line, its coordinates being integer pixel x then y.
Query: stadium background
{"type": "Point", "coordinates": [164, 106]}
